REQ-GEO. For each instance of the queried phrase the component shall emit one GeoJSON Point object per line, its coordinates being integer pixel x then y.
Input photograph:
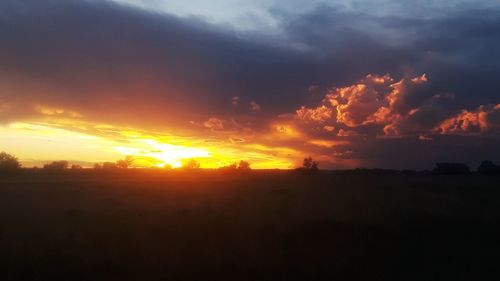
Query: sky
{"type": "Point", "coordinates": [352, 83]}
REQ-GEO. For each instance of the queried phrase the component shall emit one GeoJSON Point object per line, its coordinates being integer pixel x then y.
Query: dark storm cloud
{"type": "Point", "coordinates": [97, 55]}
{"type": "Point", "coordinates": [95, 48]}
{"type": "Point", "coordinates": [113, 63]}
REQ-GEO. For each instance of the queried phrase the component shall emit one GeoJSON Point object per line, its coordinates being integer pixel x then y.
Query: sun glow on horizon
{"type": "Point", "coordinates": [164, 153]}
{"type": "Point", "coordinates": [39, 143]}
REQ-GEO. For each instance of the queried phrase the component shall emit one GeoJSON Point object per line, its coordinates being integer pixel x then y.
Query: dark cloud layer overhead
{"type": "Point", "coordinates": [106, 62]}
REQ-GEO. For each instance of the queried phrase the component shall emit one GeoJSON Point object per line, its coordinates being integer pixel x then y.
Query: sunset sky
{"type": "Point", "coordinates": [352, 83]}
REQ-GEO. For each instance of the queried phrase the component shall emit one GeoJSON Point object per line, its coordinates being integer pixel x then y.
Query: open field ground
{"type": "Point", "coordinates": [149, 225]}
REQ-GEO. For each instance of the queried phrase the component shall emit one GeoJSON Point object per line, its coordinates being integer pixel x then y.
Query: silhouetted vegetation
{"type": "Point", "coordinates": [109, 166]}
{"type": "Point", "coordinates": [451, 169]}
{"type": "Point", "coordinates": [125, 163]}
{"type": "Point", "coordinates": [309, 166]}
{"type": "Point", "coordinates": [376, 171]}
{"type": "Point", "coordinates": [488, 168]}
{"type": "Point", "coordinates": [243, 166]}
{"type": "Point", "coordinates": [56, 166]}
{"type": "Point", "coordinates": [118, 165]}
{"type": "Point", "coordinates": [8, 163]}
{"type": "Point", "coordinates": [191, 164]}
{"type": "Point", "coordinates": [76, 167]}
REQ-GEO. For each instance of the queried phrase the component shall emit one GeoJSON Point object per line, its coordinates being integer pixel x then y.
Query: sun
{"type": "Point", "coordinates": [154, 153]}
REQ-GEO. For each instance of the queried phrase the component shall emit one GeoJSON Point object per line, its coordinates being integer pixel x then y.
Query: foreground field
{"type": "Point", "coordinates": [147, 225]}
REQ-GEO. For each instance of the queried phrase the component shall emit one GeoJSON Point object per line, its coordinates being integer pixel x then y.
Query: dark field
{"type": "Point", "coordinates": [146, 225]}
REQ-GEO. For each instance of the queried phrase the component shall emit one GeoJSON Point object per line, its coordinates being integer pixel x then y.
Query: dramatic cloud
{"type": "Point", "coordinates": [482, 120]}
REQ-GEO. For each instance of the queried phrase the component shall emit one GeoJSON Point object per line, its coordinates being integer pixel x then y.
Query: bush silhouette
{"type": "Point", "coordinates": [451, 169]}
{"type": "Point", "coordinates": [8, 162]}
{"type": "Point", "coordinates": [109, 166]}
{"type": "Point", "coordinates": [124, 164]}
{"type": "Point", "coordinates": [488, 168]}
{"type": "Point", "coordinates": [57, 165]}
{"type": "Point", "coordinates": [244, 166]}
{"type": "Point", "coordinates": [310, 164]}
{"type": "Point", "coordinates": [191, 164]}
{"type": "Point", "coordinates": [231, 168]}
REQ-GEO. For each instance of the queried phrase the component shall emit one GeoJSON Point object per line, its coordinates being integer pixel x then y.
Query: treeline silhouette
{"type": "Point", "coordinates": [10, 163]}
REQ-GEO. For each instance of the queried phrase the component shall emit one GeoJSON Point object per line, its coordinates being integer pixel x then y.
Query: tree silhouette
{"type": "Point", "coordinates": [8, 162]}
{"type": "Point", "coordinates": [124, 164]}
{"type": "Point", "coordinates": [488, 168]}
{"type": "Point", "coordinates": [57, 165]}
{"type": "Point", "coordinates": [191, 164]}
{"type": "Point", "coordinates": [109, 166]}
{"type": "Point", "coordinates": [244, 166]}
{"type": "Point", "coordinates": [231, 168]}
{"type": "Point", "coordinates": [451, 169]}
{"type": "Point", "coordinates": [310, 165]}
{"type": "Point", "coordinates": [76, 167]}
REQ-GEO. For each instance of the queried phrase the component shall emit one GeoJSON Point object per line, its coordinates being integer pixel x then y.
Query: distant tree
{"type": "Point", "coordinates": [191, 164]}
{"type": "Point", "coordinates": [310, 164]}
{"type": "Point", "coordinates": [57, 165]}
{"type": "Point", "coordinates": [244, 166]}
{"type": "Point", "coordinates": [168, 167]}
{"type": "Point", "coordinates": [8, 162]}
{"type": "Point", "coordinates": [97, 166]}
{"type": "Point", "coordinates": [124, 164]}
{"type": "Point", "coordinates": [488, 168]}
{"type": "Point", "coordinates": [76, 167]}
{"type": "Point", "coordinates": [451, 169]}
{"type": "Point", "coordinates": [231, 167]}
{"type": "Point", "coordinates": [109, 166]}
{"type": "Point", "coordinates": [407, 172]}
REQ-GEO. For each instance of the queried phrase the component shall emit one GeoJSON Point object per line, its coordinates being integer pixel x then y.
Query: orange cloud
{"type": "Point", "coordinates": [214, 124]}
{"type": "Point", "coordinates": [254, 106]}
{"type": "Point", "coordinates": [470, 122]}
{"type": "Point", "coordinates": [347, 133]}
{"type": "Point", "coordinates": [375, 100]}
{"type": "Point", "coordinates": [319, 114]}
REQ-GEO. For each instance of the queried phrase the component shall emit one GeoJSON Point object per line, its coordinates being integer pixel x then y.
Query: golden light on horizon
{"type": "Point", "coordinates": [39, 143]}
{"type": "Point", "coordinates": [164, 153]}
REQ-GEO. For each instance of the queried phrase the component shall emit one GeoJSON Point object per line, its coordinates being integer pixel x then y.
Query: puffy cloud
{"type": "Point", "coordinates": [319, 114]}
{"type": "Point", "coordinates": [354, 104]}
{"type": "Point", "coordinates": [472, 122]}
{"type": "Point", "coordinates": [235, 100]}
{"type": "Point", "coordinates": [328, 128]}
{"type": "Point", "coordinates": [347, 133]}
{"type": "Point", "coordinates": [405, 113]}
{"type": "Point", "coordinates": [378, 106]}
{"type": "Point", "coordinates": [375, 100]}
{"type": "Point", "coordinates": [254, 106]}
{"type": "Point", "coordinates": [213, 124]}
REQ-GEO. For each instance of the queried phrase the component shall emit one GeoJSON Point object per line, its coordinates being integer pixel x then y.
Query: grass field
{"type": "Point", "coordinates": [151, 225]}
